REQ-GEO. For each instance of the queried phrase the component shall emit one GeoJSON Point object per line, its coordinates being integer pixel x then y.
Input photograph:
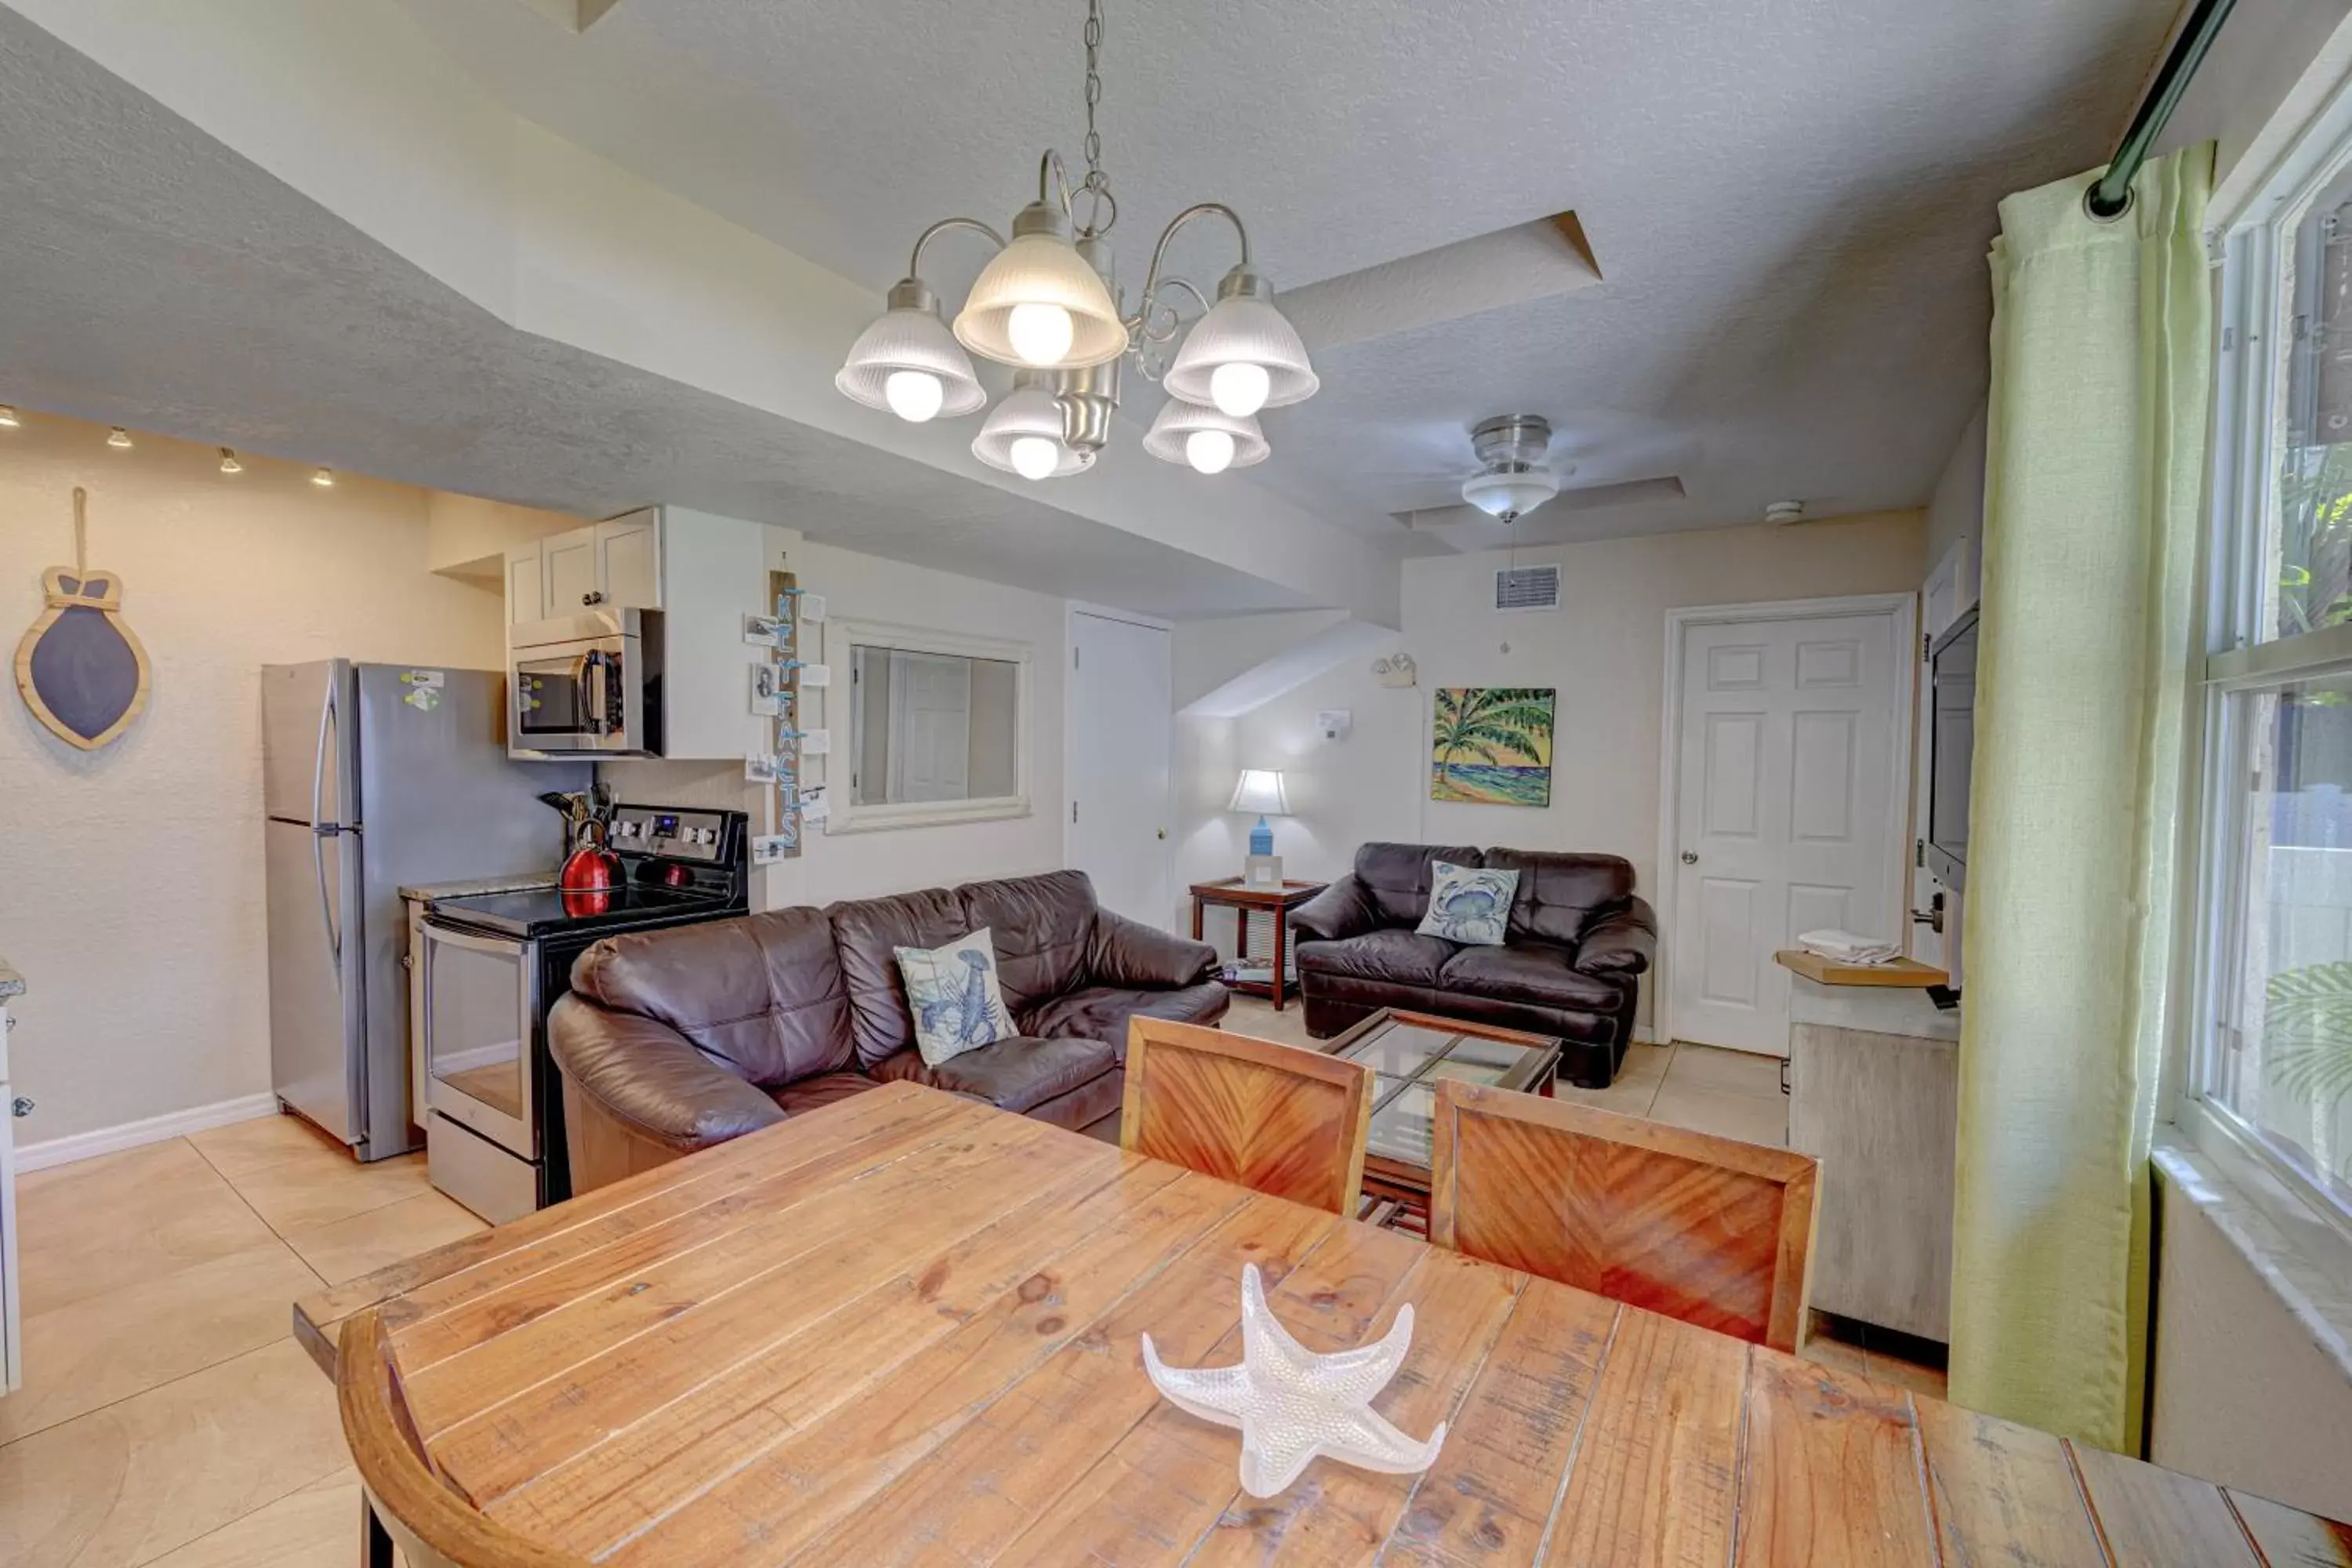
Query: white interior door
{"type": "Point", "coordinates": [1789, 745]}
{"type": "Point", "coordinates": [931, 727]}
{"type": "Point", "coordinates": [1121, 735]}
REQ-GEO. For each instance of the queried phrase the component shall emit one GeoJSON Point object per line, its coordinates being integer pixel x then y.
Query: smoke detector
{"type": "Point", "coordinates": [1782, 513]}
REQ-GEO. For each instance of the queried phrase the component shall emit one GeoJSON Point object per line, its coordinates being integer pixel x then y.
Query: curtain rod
{"type": "Point", "coordinates": [2110, 198]}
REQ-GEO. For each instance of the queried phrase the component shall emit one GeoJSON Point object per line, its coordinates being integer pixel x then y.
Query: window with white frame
{"type": "Point", "coordinates": [2269, 1064]}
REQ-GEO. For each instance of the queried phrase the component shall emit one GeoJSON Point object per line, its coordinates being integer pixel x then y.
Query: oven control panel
{"type": "Point", "coordinates": [680, 834]}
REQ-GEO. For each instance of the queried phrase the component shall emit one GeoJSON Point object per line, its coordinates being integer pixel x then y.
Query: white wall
{"type": "Point", "coordinates": [863, 865]}
{"type": "Point", "coordinates": [134, 874]}
{"type": "Point", "coordinates": [1604, 650]}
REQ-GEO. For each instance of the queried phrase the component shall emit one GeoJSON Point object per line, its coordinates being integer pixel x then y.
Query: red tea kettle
{"type": "Point", "coordinates": [590, 874]}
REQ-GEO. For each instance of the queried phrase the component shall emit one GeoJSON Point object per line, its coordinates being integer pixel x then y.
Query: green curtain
{"type": "Point", "coordinates": [2086, 648]}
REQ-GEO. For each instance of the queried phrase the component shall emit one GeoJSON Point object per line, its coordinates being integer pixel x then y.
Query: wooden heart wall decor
{"type": "Point", "coordinates": [80, 670]}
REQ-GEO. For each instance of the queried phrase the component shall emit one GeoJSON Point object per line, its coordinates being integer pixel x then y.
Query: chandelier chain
{"type": "Point", "coordinates": [1097, 182]}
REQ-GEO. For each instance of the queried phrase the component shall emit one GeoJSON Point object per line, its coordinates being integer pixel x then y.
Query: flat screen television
{"type": "Point", "coordinates": [1951, 745]}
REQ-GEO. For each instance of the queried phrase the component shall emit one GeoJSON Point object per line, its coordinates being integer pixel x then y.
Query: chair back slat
{"type": "Point", "coordinates": [1709, 1230]}
{"type": "Point", "coordinates": [1283, 1120]}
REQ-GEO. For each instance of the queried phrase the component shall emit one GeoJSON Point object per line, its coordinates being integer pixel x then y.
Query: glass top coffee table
{"type": "Point", "coordinates": [1409, 1053]}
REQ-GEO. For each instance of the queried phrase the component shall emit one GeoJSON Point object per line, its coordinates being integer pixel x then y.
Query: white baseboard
{"type": "Point", "coordinates": [153, 1129]}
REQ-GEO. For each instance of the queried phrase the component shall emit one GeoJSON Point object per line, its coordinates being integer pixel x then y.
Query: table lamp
{"type": "Point", "coordinates": [1260, 790]}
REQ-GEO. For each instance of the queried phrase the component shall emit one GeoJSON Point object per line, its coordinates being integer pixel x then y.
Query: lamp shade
{"type": "Point", "coordinates": [1041, 267]}
{"type": "Point", "coordinates": [1030, 412]}
{"type": "Point", "coordinates": [909, 337]}
{"type": "Point", "coordinates": [1170, 440]}
{"type": "Point", "coordinates": [1260, 790]}
{"type": "Point", "coordinates": [1242, 329]}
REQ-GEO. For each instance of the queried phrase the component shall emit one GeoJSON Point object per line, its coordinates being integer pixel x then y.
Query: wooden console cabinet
{"type": "Point", "coordinates": [1874, 1094]}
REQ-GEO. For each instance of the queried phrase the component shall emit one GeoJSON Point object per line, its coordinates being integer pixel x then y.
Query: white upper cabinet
{"type": "Point", "coordinates": [612, 564]}
{"type": "Point", "coordinates": [629, 560]}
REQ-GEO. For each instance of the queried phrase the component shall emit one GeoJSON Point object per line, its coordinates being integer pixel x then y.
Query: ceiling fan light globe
{"type": "Point", "coordinates": [914, 395]}
{"type": "Point", "coordinates": [1510, 494]}
{"type": "Point", "coordinates": [1240, 387]}
{"type": "Point", "coordinates": [1209, 451]}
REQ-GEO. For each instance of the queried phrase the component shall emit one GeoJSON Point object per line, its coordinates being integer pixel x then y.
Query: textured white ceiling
{"type": "Point", "coordinates": [1789, 200]}
{"type": "Point", "coordinates": [155, 279]}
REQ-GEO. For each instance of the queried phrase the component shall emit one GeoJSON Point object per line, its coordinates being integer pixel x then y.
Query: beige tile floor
{"type": "Point", "coordinates": [169, 1418]}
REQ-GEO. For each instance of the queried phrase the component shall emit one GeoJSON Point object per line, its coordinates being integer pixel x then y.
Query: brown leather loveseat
{"type": "Point", "coordinates": [671, 1041]}
{"type": "Point", "coordinates": [1571, 964]}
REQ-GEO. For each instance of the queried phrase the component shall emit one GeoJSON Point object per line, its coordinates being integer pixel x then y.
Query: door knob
{"type": "Point", "coordinates": [592, 598]}
{"type": "Point", "coordinates": [1690, 857]}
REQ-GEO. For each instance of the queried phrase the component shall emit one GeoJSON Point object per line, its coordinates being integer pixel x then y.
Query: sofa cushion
{"type": "Point", "coordinates": [1102, 1012]}
{"type": "Point", "coordinates": [1537, 971]}
{"type": "Point", "coordinates": [1043, 925]}
{"type": "Point", "coordinates": [866, 935]}
{"type": "Point", "coordinates": [762, 995]}
{"type": "Point", "coordinates": [1559, 894]}
{"type": "Point", "coordinates": [1011, 1075]}
{"type": "Point", "coordinates": [1406, 957]}
{"type": "Point", "coordinates": [825, 1088]}
{"type": "Point", "coordinates": [1396, 877]}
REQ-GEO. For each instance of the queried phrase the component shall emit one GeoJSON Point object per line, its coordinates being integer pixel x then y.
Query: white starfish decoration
{"type": "Point", "coordinates": [1292, 1405]}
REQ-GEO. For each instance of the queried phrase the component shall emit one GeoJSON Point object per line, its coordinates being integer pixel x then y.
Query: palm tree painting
{"type": "Point", "coordinates": [1492, 745]}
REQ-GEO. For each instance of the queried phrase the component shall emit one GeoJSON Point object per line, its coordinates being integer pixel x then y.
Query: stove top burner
{"type": "Point", "coordinates": [676, 864]}
{"type": "Point", "coordinates": [533, 910]}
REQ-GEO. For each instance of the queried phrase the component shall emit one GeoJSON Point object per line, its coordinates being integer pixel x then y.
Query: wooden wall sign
{"type": "Point", "coordinates": [80, 670]}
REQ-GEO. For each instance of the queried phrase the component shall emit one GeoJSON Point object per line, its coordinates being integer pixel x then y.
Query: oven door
{"type": "Point", "coordinates": [480, 996]}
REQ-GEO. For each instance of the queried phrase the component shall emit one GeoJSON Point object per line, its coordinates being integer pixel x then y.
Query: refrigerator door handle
{"type": "Point", "coordinates": [320, 831]}
{"type": "Point", "coordinates": [318, 838]}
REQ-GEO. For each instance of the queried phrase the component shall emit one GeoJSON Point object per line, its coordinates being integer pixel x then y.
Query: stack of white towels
{"type": "Point", "coordinates": [1844, 947]}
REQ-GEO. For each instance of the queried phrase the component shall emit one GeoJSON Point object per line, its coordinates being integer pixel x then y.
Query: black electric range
{"type": "Point", "coordinates": [494, 963]}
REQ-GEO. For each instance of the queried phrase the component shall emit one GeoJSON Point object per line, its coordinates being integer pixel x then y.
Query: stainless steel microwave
{"type": "Point", "coordinates": [587, 685]}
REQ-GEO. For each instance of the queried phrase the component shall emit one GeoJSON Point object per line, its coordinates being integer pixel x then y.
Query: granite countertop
{"type": "Point", "coordinates": [517, 883]}
{"type": "Point", "coordinates": [11, 982]}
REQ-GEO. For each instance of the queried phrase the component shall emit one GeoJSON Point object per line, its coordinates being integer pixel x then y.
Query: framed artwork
{"type": "Point", "coordinates": [1491, 745]}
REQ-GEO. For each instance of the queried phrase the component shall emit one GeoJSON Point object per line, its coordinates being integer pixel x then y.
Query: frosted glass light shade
{"type": "Point", "coordinates": [1041, 267]}
{"type": "Point", "coordinates": [1510, 493]}
{"type": "Point", "coordinates": [1028, 412]}
{"type": "Point", "coordinates": [1239, 330]}
{"type": "Point", "coordinates": [909, 337]}
{"type": "Point", "coordinates": [1260, 790]}
{"type": "Point", "coordinates": [1167, 439]}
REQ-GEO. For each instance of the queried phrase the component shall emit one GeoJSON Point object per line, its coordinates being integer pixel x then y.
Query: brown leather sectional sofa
{"type": "Point", "coordinates": [1571, 964]}
{"type": "Point", "coordinates": [671, 1041]}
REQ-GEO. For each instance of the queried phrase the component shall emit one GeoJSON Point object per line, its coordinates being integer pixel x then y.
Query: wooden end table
{"type": "Point", "coordinates": [1409, 1052]}
{"type": "Point", "coordinates": [1231, 892]}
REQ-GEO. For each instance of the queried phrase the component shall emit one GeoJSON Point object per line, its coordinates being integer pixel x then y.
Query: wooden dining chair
{"type": "Point", "coordinates": [408, 1502]}
{"type": "Point", "coordinates": [1711, 1230]}
{"type": "Point", "coordinates": [1283, 1120]}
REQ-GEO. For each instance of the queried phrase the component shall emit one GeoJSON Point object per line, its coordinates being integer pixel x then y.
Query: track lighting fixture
{"type": "Point", "coordinates": [119, 438]}
{"type": "Point", "coordinates": [324, 479]}
{"type": "Point", "coordinates": [8, 419]}
{"type": "Point", "coordinates": [229, 465]}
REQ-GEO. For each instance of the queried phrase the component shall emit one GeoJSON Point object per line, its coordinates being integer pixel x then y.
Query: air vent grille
{"type": "Point", "coordinates": [1528, 588]}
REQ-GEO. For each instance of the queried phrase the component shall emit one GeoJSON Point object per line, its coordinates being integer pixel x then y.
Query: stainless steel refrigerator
{"type": "Point", "coordinates": [377, 777]}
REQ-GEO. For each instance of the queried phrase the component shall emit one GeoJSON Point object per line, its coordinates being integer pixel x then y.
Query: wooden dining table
{"type": "Point", "coordinates": [904, 1329]}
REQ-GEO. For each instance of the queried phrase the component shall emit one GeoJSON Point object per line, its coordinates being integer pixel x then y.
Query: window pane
{"type": "Point", "coordinates": [2282, 1060]}
{"type": "Point", "coordinates": [2308, 555]}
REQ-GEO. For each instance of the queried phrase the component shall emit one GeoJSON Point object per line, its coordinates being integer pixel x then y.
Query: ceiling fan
{"type": "Point", "coordinates": [1513, 478]}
